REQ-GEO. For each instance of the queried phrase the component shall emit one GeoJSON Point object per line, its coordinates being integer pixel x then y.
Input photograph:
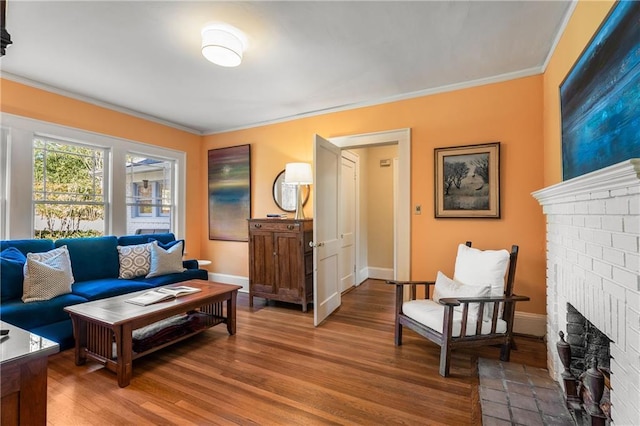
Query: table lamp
{"type": "Point", "coordinates": [298, 174]}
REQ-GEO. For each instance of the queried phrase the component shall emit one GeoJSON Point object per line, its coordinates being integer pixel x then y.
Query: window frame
{"type": "Point", "coordinates": [20, 174]}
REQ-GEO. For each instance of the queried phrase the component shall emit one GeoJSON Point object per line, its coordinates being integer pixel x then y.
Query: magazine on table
{"type": "Point", "coordinates": [161, 294]}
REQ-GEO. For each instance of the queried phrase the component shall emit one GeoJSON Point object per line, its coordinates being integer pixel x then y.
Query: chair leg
{"type": "Point", "coordinates": [445, 358]}
{"type": "Point", "coordinates": [505, 350]}
{"type": "Point", "coordinates": [398, 333]}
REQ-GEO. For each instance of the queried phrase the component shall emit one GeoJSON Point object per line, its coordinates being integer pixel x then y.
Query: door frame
{"type": "Point", "coordinates": [402, 218]}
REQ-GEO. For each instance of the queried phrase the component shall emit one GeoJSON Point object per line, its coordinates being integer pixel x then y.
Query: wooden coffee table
{"type": "Point", "coordinates": [103, 328]}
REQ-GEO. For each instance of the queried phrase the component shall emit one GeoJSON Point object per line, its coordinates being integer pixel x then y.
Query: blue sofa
{"type": "Point", "coordinates": [95, 265]}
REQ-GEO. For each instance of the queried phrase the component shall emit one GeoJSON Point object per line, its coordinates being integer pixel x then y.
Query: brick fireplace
{"type": "Point", "coordinates": [593, 264]}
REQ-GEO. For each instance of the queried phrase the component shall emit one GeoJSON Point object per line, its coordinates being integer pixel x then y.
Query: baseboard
{"type": "Point", "coordinates": [530, 324]}
{"type": "Point", "coordinates": [230, 279]}
{"type": "Point", "coordinates": [380, 273]}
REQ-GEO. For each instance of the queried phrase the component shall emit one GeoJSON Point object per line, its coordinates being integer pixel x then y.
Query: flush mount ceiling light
{"type": "Point", "coordinates": [223, 45]}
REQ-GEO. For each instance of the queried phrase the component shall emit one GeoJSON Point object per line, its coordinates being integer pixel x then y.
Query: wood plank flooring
{"type": "Point", "coordinates": [280, 370]}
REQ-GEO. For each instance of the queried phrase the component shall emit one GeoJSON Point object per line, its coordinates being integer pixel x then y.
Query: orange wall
{"type": "Point", "coordinates": [509, 112]}
{"type": "Point", "coordinates": [585, 20]}
{"type": "Point", "coordinates": [26, 101]}
{"type": "Point", "coordinates": [523, 114]}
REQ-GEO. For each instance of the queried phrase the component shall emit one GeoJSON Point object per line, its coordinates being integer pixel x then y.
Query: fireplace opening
{"type": "Point", "coordinates": [586, 357]}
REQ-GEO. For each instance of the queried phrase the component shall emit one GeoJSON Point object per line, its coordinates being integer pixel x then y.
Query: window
{"type": "Point", "coordinates": [68, 189]}
{"type": "Point", "coordinates": [149, 196]}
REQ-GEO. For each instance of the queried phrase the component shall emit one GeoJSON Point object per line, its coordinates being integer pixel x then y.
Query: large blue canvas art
{"type": "Point", "coordinates": [600, 97]}
{"type": "Point", "coordinates": [229, 193]}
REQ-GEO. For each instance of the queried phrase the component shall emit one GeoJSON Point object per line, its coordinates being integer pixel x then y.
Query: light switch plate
{"type": "Point", "coordinates": [418, 209]}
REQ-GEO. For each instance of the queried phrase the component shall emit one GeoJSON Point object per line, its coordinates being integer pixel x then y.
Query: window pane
{"type": "Point", "coordinates": [149, 195]}
{"type": "Point", "coordinates": [68, 189]}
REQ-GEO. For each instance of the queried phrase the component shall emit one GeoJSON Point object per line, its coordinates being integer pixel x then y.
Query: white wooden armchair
{"type": "Point", "coordinates": [476, 308]}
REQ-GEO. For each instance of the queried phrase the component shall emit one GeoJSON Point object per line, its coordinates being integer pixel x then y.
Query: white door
{"type": "Point", "coordinates": [326, 208]}
{"type": "Point", "coordinates": [347, 224]}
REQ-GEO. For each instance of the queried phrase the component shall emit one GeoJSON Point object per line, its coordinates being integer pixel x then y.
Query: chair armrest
{"type": "Point", "coordinates": [456, 301]}
{"type": "Point", "coordinates": [393, 282]}
{"type": "Point", "coordinates": [190, 264]}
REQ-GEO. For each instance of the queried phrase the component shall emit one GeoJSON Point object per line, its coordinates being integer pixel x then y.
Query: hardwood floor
{"type": "Point", "coordinates": [279, 369]}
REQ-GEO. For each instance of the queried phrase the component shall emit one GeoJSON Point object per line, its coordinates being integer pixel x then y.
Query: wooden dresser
{"type": "Point", "coordinates": [281, 260]}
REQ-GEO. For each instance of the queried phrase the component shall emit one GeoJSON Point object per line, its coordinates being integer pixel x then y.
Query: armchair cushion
{"type": "Point", "coordinates": [482, 268]}
{"type": "Point", "coordinates": [446, 287]}
{"type": "Point", "coordinates": [429, 313]}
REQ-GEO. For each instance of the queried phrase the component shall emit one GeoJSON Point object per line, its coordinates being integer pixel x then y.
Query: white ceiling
{"type": "Point", "coordinates": [303, 57]}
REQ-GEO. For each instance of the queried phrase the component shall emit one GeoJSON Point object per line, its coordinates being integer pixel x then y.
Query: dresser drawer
{"type": "Point", "coordinates": [274, 226]}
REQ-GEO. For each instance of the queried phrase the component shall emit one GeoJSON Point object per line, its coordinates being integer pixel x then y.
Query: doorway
{"type": "Point", "coordinates": [401, 192]}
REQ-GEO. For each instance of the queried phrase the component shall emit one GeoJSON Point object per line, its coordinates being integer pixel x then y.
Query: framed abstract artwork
{"type": "Point", "coordinates": [229, 193]}
{"type": "Point", "coordinates": [600, 97]}
{"type": "Point", "coordinates": [467, 181]}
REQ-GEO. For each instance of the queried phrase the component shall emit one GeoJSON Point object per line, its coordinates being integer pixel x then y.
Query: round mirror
{"type": "Point", "coordinates": [285, 195]}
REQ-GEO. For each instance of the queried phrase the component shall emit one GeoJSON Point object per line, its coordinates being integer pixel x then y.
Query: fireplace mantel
{"type": "Point", "coordinates": [612, 178]}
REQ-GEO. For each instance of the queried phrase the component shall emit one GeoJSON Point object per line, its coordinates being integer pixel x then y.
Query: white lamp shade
{"type": "Point", "coordinates": [221, 47]}
{"type": "Point", "coordinates": [298, 173]}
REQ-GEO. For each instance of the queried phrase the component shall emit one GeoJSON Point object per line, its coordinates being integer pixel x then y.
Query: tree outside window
{"type": "Point", "coordinates": [68, 189]}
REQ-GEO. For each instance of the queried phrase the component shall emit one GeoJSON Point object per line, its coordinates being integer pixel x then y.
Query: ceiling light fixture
{"type": "Point", "coordinates": [223, 45]}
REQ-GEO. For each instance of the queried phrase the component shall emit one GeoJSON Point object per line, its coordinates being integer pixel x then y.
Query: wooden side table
{"type": "Point", "coordinates": [23, 367]}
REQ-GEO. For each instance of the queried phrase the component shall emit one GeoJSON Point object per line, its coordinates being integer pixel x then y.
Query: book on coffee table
{"type": "Point", "coordinates": [161, 294]}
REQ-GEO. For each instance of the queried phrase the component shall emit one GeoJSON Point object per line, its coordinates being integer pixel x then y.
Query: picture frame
{"type": "Point", "coordinates": [229, 193]}
{"type": "Point", "coordinates": [467, 181]}
{"type": "Point", "coordinates": [600, 96]}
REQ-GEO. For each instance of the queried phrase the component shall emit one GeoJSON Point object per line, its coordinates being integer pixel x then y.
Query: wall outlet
{"type": "Point", "coordinates": [418, 209]}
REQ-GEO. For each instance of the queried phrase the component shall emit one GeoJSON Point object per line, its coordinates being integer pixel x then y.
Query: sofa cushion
{"type": "Point", "coordinates": [108, 287]}
{"type": "Point", "coordinates": [92, 258]}
{"type": "Point", "coordinates": [135, 260]}
{"type": "Point", "coordinates": [47, 275]}
{"type": "Point", "coordinates": [168, 245]}
{"type": "Point", "coordinates": [429, 313]}
{"type": "Point", "coordinates": [60, 332]}
{"type": "Point", "coordinates": [129, 240]}
{"type": "Point", "coordinates": [189, 274]}
{"type": "Point", "coordinates": [166, 261]}
{"type": "Point", "coordinates": [28, 246]}
{"type": "Point", "coordinates": [11, 273]}
{"type": "Point", "coordinates": [36, 314]}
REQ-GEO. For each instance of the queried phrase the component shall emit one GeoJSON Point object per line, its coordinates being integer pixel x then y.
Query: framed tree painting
{"type": "Point", "coordinates": [467, 181]}
{"type": "Point", "coordinates": [229, 193]}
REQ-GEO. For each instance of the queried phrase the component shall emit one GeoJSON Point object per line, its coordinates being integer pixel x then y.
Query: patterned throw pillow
{"type": "Point", "coordinates": [165, 261]}
{"type": "Point", "coordinates": [47, 275]}
{"type": "Point", "coordinates": [135, 260]}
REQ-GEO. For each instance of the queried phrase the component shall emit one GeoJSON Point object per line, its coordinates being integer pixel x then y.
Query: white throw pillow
{"type": "Point", "coordinates": [47, 275]}
{"type": "Point", "coordinates": [446, 287]}
{"type": "Point", "coordinates": [165, 261]}
{"type": "Point", "coordinates": [482, 268]}
{"type": "Point", "coordinates": [135, 260]}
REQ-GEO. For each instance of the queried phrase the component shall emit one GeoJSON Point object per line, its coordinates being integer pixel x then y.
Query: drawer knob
{"type": "Point", "coordinates": [257, 225]}
{"type": "Point", "coordinates": [290, 227]}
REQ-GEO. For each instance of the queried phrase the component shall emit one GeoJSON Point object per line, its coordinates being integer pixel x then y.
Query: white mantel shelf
{"type": "Point", "coordinates": [610, 178]}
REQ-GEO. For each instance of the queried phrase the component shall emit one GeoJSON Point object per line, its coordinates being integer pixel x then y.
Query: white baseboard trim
{"type": "Point", "coordinates": [230, 279]}
{"type": "Point", "coordinates": [530, 324]}
{"type": "Point", "coordinates": [380, 273]}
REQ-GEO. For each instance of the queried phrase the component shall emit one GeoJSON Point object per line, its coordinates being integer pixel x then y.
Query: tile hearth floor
{"type": "Point", "coordinates": [516, 394]}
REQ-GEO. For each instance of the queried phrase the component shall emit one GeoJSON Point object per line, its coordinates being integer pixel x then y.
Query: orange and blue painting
{"type": "Point", "coordinates": [229, 193]}
{"type": "Point", "coordinates": [600, 96]}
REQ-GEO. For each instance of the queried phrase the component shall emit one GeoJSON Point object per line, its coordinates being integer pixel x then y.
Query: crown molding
{"type": "Point", "coordinates": [96, 102]}
{"type": "Point", "coordinates": [395, 98]}
{"type": "Point", "coordinates": [559, 33]}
